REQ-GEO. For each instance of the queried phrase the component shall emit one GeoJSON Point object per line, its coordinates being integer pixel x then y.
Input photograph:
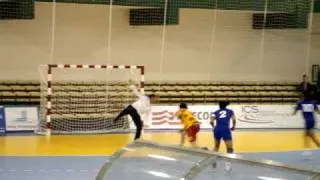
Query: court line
{"type": "Point", "coordinates": [160, 131]}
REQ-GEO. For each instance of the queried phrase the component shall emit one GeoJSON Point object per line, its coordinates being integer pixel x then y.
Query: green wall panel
{"type": "Point", "coordinates": [22, 9]}
{"type": "Point", "coordinates": [273, 5]}
{"type": "Point", "coordinates": [316, 6]}
{"type": "Point", "coordinates": [299, 8]}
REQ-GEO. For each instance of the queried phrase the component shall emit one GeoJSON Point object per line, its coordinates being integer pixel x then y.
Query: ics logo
{"type": "Point", "coordinates": [253, 114]}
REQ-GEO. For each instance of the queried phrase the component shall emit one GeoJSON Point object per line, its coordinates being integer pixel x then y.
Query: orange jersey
{"type": "Point", "coordinates": [187, 118]}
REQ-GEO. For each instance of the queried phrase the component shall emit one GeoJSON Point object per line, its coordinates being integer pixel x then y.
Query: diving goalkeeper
{"type": "Point", "coordinates": [140, 108]}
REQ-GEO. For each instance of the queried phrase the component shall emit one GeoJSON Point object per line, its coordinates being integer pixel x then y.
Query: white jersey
{"type": "Point", "coordinates": [142, 105]}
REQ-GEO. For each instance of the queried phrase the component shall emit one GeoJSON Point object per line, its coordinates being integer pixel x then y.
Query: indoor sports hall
{"type": "Point", "coordinates": [69, 67]}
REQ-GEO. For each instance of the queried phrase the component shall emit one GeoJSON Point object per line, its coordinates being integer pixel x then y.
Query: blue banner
{"type": "Point", "coordinates": [2, 122]}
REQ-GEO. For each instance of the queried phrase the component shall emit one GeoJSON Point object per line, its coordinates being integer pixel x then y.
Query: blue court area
{"type": "Point", "coordinates": [50, 168]}
{"type": "Point", "coordinates": [87, 168]}
{"type": "Point", "coordinates": [291, 158]}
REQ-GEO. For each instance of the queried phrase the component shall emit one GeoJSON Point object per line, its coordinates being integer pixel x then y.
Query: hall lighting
{"type": "Point", "coordinates": [128, 149]}
{"type": "Point", "coordinates": [269, 178]}
{"type": "Point", "coordinates": [155, 156]}
{"type": "Point", "coordinates": [159, 174]}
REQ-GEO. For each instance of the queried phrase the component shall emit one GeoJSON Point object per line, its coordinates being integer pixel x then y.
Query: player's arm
{"type": "Point", "coordinates": [135, 89]}
{"type": "Point", "coordinates": [212, 120]}
{"type": "Point", "coordinates": [316, 109]}
{"type": "Point", "coordinates": [233, 122]}
{"type": "Point", "coordinates": [176, 114]}
{"type": "Point", "coordinates": [297, 108]}
{"type": "Point", "coordinates": [179, 115]}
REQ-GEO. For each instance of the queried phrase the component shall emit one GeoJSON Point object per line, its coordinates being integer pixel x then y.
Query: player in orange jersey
{"type": "Point", "coordinates": [191, 126]}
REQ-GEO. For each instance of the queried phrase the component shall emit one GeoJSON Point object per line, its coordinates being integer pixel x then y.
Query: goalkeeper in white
{"type": "Point", "coordinates": [140, 108]}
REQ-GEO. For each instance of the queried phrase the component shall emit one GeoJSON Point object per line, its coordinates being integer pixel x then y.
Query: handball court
{"type": "Point", "coordinates": [80, 157]}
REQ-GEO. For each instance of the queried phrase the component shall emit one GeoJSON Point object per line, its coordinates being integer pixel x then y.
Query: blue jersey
{"type": "Point", "coordinates": [308, 107]}
{"type": "Point", "coordinates": [223, 117]}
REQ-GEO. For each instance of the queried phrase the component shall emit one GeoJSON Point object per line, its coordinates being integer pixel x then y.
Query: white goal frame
{"type": "Point", "coordinates": [50, 68]}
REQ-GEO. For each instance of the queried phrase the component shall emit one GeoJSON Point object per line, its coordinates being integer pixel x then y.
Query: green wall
{"type": "Point", "coordinates": [316, 6]}
{"type": "Point", "coordinates": [273, 5]}
{"type": "Point", "coordinates": [22, 9]}
{"type": "Point", "coordinates": [298, 8]}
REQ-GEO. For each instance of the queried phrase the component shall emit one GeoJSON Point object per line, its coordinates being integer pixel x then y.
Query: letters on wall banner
{"type": "Point", "coordinates": [248, 116]}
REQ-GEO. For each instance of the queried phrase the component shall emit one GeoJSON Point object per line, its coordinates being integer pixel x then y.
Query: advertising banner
{"type": "Point", "coordinates": [248, 116]}
{"type": "Point", "coordinates": [2, 122]}
{"type": "Point", "coordinates": [21, 118]}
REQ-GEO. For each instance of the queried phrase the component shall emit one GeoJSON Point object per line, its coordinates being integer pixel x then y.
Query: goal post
{"type": "Point", "coordinates": [79, 98]}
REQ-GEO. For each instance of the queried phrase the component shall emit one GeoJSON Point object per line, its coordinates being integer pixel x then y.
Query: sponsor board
{"type": "Point", "coordinates": [2, 122]}
{"type": "Point", "coordinates": [21, 118]}
{"type": "Point", "coordinates": [248, 116]}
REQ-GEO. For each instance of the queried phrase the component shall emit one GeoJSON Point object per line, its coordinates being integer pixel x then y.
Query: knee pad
{"type": "Point", "coordinates": [230, 150]}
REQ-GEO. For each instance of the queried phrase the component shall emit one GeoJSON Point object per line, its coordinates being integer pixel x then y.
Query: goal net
{"type": "Point", "coordinates": [85, 98]}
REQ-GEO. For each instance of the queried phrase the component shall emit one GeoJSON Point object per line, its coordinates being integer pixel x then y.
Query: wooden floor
{"type": "Point", "coordinates": [244, 141]}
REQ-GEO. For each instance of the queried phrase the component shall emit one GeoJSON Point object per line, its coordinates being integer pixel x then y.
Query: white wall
{"type": "Point", "coordinates": [199, 48]}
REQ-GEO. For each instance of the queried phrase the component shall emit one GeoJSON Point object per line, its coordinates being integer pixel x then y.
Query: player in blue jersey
{"type": "Point", "coordinates": [308, 108]}
{"type": "Point", "coordinates": [220, 122]}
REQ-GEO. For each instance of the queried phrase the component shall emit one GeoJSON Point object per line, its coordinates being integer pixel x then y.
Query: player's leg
{"type": "Point", "coordinates": [228, 141]}
{"type": "Point", "coordinates": [182, 136]}
{"type": "Point", "coordinates": [306, 140]}
{"type": "Point", "coordinates": [196, 131]}
{"type": "Point", "coordinates": [229, 145]}
{"type": "Point", "coordinates": [192, 134]}
{"type": "Point", "coordinates": [313, 137]}
{"type": "Point", "coordinates": [310, 134]}
{"type": "Point", "coordinates": [137, 122]}
{"type": "Point", "coordinates": [139, 130]}
{"type": "Point", "coordinates": [307, 153]}
{"type": "Point", "coordinates": [217, 140]}
{"type": "Point", "coordinates": [308, 127]}
{"type": "Point", "coordinates": [124, 112]}
{"type": "Point", "coordinates": [217, 143]}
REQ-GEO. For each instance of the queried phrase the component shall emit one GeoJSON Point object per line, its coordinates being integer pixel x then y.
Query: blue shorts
{"type": "Point", "coordinates": [309, 125]}
{"type": "Point", "coordinates": [224, 134]}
